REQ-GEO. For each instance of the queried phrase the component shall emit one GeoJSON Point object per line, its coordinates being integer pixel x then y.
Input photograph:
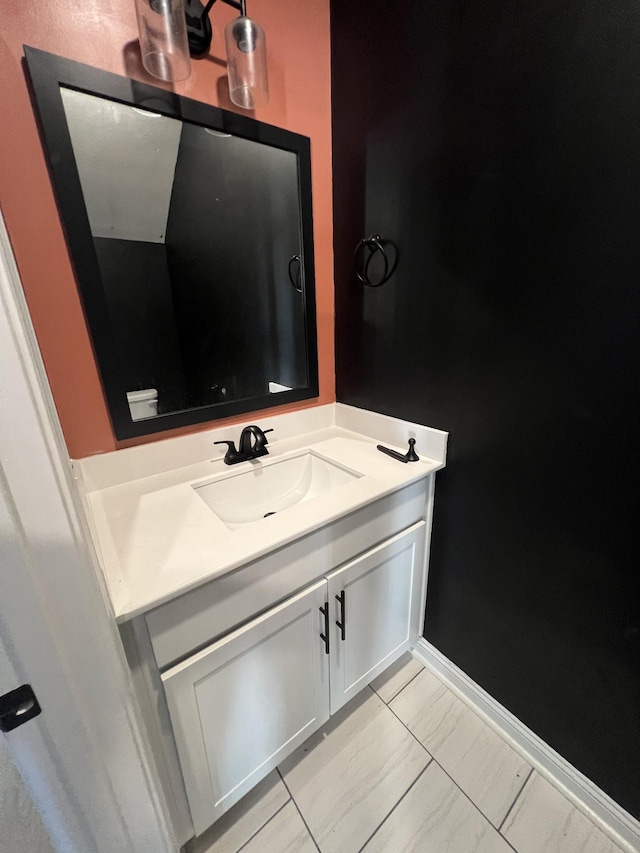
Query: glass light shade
{"type": "Point", "coordinates": [246, 63]}
{"type": "Point", "coordinates": [163, 38]}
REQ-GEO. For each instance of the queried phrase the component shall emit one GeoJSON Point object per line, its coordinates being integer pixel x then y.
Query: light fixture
{"type": "Point", "coordinates": [171, 30]}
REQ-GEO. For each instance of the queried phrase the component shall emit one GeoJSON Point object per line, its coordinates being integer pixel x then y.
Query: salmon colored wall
{"type": "Point", "coordinates": [103, 33]}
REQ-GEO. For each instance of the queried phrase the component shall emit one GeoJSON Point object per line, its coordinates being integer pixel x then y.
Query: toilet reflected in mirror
{"type": "Point", "coordinates": [143, 404]}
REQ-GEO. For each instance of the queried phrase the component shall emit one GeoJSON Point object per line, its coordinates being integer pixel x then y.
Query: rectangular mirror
{"type": "Point", "coordinates": [190, 231]}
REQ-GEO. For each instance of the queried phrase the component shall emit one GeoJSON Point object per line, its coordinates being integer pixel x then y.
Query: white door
{"type": "Point", "coordinates": [375, 606]}
{"type": "Point", "coordinates": [240, 706]}
{"type": "Point", "coordinates": [84, 761]}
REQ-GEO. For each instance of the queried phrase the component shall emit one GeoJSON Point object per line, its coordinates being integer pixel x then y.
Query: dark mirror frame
{"type": "Point", "coordinates": [48, 74]}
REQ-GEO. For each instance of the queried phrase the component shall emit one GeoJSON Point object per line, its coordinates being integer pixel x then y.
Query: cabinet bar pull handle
{"type": "Point", "coordinates": [341, 624]}
{"type": "Point", "coordinates": [325, 612]}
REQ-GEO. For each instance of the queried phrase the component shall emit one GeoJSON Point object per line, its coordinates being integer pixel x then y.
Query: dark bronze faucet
{"type": "Point", "coordinates": [253, 443]}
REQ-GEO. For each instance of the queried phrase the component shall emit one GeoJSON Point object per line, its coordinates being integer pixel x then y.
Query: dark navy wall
{"type": "Point", "coordinates": [145, 332]}
{"type": "Point", "coordinates": [497, 145]}
{"type": "Point", "coordinates": [230, 235]}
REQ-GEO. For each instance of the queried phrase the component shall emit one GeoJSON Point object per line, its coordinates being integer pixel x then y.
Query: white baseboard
{"type": "Point", "coordinates": [617, 823]}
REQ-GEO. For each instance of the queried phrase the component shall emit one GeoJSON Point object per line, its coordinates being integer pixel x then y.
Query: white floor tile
{"type": "Point", "coordinates": [348, 776]}
{"type": "Point", "coordinates": [487, 769]}
{"type": "Point", "coordinates": [242, 821]}
{"type": "Point", "coordinates": [285, 833]}
{"type": "Point", "coordinates": [435, 816]}
{"type": "Point", "coordinates": [396, 677]}
{"type": "Point", "coordinates": [543, 821]}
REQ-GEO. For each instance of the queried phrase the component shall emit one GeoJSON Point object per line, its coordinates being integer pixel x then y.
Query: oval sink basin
{"type": "Point", "coordinates": [273, 486]}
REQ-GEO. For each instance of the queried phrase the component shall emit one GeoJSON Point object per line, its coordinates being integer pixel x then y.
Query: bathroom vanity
{"type": "Point", "coordinates": [244, 633]}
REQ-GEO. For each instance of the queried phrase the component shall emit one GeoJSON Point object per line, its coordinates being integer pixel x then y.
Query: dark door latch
{"type": "Point", "coordinates": [17, 707]}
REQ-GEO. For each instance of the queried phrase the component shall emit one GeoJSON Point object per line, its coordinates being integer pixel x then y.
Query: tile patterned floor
{"type": "Point", "coordinates": [405, 767]}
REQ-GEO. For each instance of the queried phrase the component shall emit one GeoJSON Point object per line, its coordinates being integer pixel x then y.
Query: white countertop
{"type": "Point", "coordinates": [156, 538]}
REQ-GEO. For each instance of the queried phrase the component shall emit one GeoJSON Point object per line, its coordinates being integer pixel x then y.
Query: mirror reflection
{"type": "Point", "coordinates": [198, 240]}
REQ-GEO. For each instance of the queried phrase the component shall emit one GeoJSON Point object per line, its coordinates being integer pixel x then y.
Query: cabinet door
{"type": "Point", "coordinates": [375, 602]}
{"type": "Point", "coordinates": [241, 705]}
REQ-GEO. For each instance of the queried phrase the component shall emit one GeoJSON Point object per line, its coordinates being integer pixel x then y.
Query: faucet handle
{"type": "Point", "coordinates": [232, 454]}
{"type": "Point", "coordinates": [264, 432]}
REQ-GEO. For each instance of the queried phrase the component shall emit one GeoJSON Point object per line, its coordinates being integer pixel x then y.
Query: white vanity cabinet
{"type": "Point", "coordinates": [376, 605]}
{"type": "Point", "coordinates": [243, 704]}
{"type": "Point", "coordinates": [242, 639]}
{"type": "Point", "coordinates": [235, 674]}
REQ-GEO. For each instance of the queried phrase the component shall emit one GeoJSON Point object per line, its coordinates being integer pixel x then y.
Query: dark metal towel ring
{"type": "Point", "coordinates": [372, 244]}
{"type": "Point", "coordinates": [296, 280]}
